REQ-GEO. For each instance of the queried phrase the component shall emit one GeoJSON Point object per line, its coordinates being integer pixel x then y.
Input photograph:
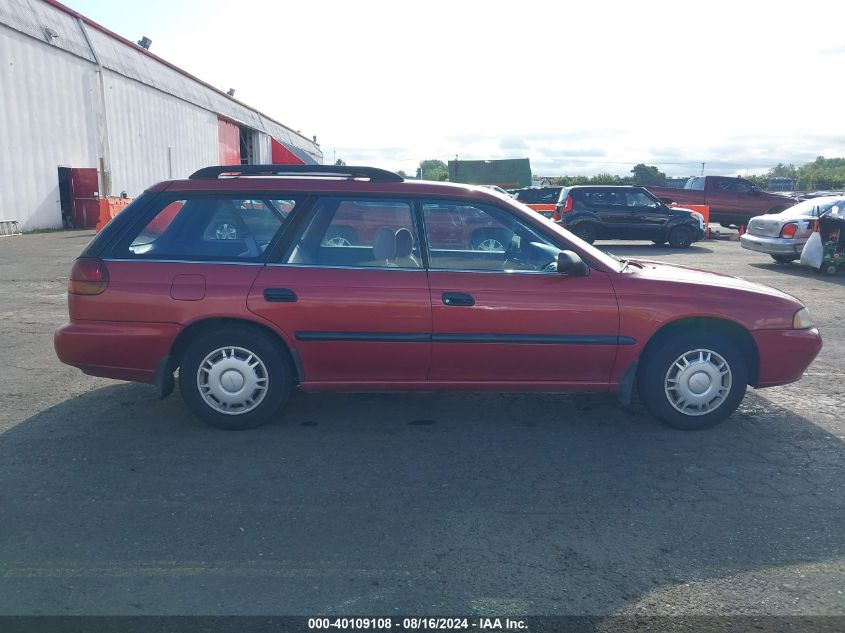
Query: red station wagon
{"type": "Point", "coordinates": [252, 280]}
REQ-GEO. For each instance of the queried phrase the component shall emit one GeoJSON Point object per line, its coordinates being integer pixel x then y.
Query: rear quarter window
{"type": "Point", "coordinates": [207, 228]}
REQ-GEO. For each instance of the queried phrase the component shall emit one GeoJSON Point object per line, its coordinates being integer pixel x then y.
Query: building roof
{"type": "Point", "coordinates": [119, 55]}
{"type": "Point", "coordinates": [510, 172]}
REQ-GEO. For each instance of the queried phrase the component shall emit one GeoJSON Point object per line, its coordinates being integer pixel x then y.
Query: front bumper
{"type": "Point", "coordinates": [772, 245]}
{"type": "Point", "coordinates": [785, 354]}
{"type": "Point", "coordinates": [115, 349]}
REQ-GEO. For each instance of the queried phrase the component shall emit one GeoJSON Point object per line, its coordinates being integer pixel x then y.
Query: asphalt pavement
{"type": "Point", "coordinates": [113, 502]}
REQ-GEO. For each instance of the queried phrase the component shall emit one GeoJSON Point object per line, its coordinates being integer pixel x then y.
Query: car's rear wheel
{"type": "Point", "coordinates": [585, 231]}
{"type": "Point", "coordinates": [692, 382]}
{"type": "Point", "coordinates": [235, 378]}
{"type": "Point", "coordinates": [680, 237]}
{"type": "Point", "coordinates": [784, 259]}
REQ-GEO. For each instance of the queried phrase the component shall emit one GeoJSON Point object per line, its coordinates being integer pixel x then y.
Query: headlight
{"type": "Point", "coordinates": [802, 320]}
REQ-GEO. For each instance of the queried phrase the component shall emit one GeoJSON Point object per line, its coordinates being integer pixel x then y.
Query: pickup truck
{"type": "Point", "coordinates": [732, 201]}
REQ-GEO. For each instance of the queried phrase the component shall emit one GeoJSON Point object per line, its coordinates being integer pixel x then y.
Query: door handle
{"type": "Point", "coordinates": [458, 299]}
{"type": "Point", "coordinates": [279, 295]}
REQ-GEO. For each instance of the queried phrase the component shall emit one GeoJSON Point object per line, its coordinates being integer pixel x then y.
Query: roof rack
{"type": "Point", "coordinates": [308, 171]}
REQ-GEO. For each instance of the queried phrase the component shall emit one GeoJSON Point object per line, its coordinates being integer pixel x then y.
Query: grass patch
{"type": "Point", "coordinates": [39, 231]}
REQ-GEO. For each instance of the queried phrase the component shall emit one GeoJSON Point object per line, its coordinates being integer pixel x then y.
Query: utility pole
{"type": "Point", "coordinates": [702, 168]}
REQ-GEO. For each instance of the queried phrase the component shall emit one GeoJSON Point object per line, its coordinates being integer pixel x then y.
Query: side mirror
{"type": "Point", "coordinates": [569, 263]}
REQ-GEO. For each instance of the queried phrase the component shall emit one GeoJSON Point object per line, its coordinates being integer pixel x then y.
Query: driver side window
{"type": "Point", "coordinates": [465, 236]}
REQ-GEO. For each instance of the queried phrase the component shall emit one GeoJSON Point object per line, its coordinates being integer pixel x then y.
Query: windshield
{"type": "Point", "coordinates": [806, 209]}
{"type": "Point", "coordinates": [539, 196]}
{"type": "Point", "coordinates": [608, 261]}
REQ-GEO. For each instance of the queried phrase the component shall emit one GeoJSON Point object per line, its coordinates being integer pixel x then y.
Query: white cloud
{"type": "Point", "coordinates": [576, 87]}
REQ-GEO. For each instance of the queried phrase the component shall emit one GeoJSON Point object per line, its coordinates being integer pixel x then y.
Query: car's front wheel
{"type": "Point", "coordinates": [680, 237]}
{"type": "Point", "coordinates": [234, 378]}
{"type": "Point", "coordinates": [692, 382]}
{"type": "Point", "coordinates": [585, 231]}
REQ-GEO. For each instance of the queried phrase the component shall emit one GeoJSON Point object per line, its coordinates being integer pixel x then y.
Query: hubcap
{"type": "Point", "coordinates": [490, 244]}
{"type": "Point", "coordinates": [232, 380]}
{"type": "Point", "coordinates": [698, 382]}
{"type": "Point", "coordinates": [226, 231]}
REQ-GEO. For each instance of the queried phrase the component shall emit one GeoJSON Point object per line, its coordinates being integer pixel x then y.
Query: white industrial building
{"type": "Point", "coordinates": [79, 100]}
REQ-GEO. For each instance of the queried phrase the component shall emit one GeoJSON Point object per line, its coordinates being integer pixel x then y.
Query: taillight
{"type": "Point", "coordinates": [88, 277]}
{"type": "Point", "coordinates": [789, 230]}
{"type": "Point", "coordinates": [568, 207]}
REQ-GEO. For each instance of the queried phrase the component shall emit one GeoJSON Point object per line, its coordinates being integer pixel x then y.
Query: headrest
{"type": "Point", "coordinates": [404, 243]}
{"type": "Point", "coordinates": [384, 245]}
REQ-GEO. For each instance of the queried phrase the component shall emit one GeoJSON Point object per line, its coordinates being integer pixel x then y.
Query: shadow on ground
{"type": "Point", "coordinates": [796, 270]}
{"type": "Point", "coordinates": [114, 502]}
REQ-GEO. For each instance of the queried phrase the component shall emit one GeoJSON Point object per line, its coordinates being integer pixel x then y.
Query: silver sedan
{"type": "Point", "coordinates": [783, 235]}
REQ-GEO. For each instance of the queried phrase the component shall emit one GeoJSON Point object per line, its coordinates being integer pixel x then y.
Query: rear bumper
{"type": "Point", "coordinates": [771, 245]}
{"type": "Point", "coordinates": [785, 354]}
{"type": "Point", "coordinates": [111, 349]}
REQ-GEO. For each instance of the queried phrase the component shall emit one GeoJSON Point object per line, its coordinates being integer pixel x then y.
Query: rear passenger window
{"type": "Point", "coordinates": [602, 198]}
{"type": "Point", "coordinates": [210, 229]}
{"type": "Point", "coordinates": [358, 232]}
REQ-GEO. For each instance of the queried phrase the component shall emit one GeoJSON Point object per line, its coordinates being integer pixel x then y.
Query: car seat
{"type": "Point", "coordinates": [404, 250]}
{"type": "Point", "coordinates": [384, 247]}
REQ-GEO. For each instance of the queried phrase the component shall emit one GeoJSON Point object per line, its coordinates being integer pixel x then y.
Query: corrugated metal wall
{"type": "Point", "coordinates": [153, 136]}
{"type": "Point", "coordinates": [46, 120]}
{"type": "Point", "coordinates": [160, 122]}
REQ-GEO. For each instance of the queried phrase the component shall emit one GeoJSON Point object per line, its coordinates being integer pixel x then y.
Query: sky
{"type": "Point", "coordinates": [579, 88]}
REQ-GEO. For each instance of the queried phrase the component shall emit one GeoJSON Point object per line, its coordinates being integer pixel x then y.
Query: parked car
{"type": "Point", "coordinates": [498, 189]}
{"type": "Point", "coordinates": [784, 234]}
{"type": "Point", "coordinates": [232, 282]}
{"type": "Point", "coordinates": [542, 199]}
{"type": "Point", "coordinates": [819, 194]}
{"type": "Point", "coordinates": [626, 213]}
{"type": "Point", "coordinates": [732, 201]}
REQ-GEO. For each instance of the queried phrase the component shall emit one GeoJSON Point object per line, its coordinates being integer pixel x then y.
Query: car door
{"type": "Point", "coordinates": [610, 208]}
{"type": "Point", "coordinates": [746, 199]}
{"type": "Point", "coordinates": [647, 217]}
{"type": "Point", "coordinates": [504, 316]}
{"type": "Point", "coordinates": [351, 293]}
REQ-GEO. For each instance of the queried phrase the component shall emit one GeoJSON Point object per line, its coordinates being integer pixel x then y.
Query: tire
{"type": "Point", "coordinates": [784, 259]}
{"type": "Point", "coordinates": [204, 389]}
{"type": "Point", "coordinates": [705, 357]}
{"type": "Point", "coordinates": [680, 237]}
{"type": "Point", "coordinates": [585, 231]}
{"type": "Point", "coordinates": [829, 269]}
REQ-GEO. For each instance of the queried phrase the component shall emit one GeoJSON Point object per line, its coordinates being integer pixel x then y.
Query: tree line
{"type": "Point", "coordinates": [822, 173]}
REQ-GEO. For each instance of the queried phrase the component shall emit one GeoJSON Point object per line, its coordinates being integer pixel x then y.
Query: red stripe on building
{"type": "Point", "coordinates": [282, 155]}
{"type": "Point", "coordinates": [229, 139]}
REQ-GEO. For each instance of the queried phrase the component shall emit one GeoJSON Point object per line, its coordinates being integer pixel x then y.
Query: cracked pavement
{"type": "Point", "coordinates": [113, 502]}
